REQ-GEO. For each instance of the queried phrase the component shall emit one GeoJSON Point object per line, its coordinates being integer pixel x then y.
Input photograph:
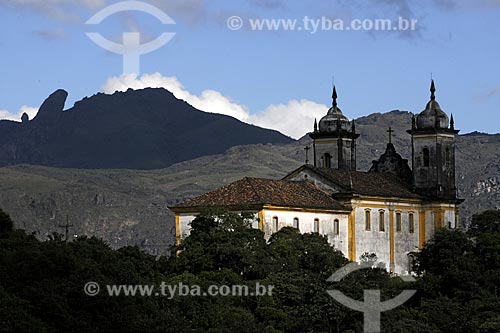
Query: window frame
{"type": "Point", "coordinates": [381, 220]}
{"type": "Point", "coordinates": [296, 223]}
{"type": "Point", "coordinates": [316, 225]}
{"type": "Point", "coordinates": [336, 227]}
{"type": "Point", "coordinates": [411, 223]}
{"type": "Point", "coordinates": [426, 157]}
{"type": "Point", "coordinates": [368, 220]}
{"type": "Point", "coordinates": [399, 222]}
{"type": "Point", "coordinates": [275, 223]}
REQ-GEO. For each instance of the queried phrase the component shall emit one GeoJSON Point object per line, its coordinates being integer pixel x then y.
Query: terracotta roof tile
{"type": "Point", "coordinates": [259, 191]}
{"type": "Point", "coordinates": [366, 183]}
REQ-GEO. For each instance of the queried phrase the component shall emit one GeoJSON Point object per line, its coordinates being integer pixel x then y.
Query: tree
{"type": "Point", "coordinates": [220, 239]}
{"type": "Point", "coordinates": [6, 224]}
{"type": "Point", "coordinates": [486, 222]}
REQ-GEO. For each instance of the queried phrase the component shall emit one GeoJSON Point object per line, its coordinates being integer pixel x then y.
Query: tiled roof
{"type": "Point", "coordinates": [365, 183]}
{"type": "Point", "coordinates": [259, 191]}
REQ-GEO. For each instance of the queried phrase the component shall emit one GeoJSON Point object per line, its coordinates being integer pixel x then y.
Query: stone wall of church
{"type": "Point", "coordinates": [405, 241]}
{"type": "Point", "coordinates": [378, 242]}
{"type": "Point", "coordinates": [286, 219]}
{"type": "Point", "coordinates": [184, 221]}
{"type": "Point", "coordinates": [328, 147]}
{"type": "Point", "coordinates": [306, 225]}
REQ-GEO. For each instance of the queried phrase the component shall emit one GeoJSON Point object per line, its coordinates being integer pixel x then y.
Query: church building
{"type": "Point", "coordinates": [391, 210]}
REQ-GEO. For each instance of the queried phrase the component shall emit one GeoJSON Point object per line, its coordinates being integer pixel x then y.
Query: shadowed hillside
{"type": "Point", "coordinates": [137, 129]}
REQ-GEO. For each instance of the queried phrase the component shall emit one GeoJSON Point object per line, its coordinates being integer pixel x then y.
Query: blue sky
{"type": "Point", "coordinates": [277, 79]}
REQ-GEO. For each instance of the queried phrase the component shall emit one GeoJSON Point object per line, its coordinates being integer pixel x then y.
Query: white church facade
{"type": "Point", "coordinates": [390, 210]}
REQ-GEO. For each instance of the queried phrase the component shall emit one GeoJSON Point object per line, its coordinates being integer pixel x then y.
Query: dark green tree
{"type": "Point", "coordinates": [6, 224]}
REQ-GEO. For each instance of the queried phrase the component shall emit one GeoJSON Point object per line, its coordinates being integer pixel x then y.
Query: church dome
{"type": "Point", "coordinates": [432, 116]}
{"type": "Point", "coordinates": [334, 119]}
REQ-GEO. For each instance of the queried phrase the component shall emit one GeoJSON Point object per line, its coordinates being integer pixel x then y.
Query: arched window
{"type": "Point", "coordinates": [328, 160]}
{"type": "Point", "coordinates": [381, 220]}
{"type": "Point", "coordinates": [275, 223]}
{"type": "Point", "coordinates": [316, 225]}
{"type": "Point", "coordinates": [425, 156]}
{"type": "Point", "coordinates": [368, 223]}
{"type": "Point", "coordinates": [447, 156]}
{"type": "Point", "coordinates": [336, 227]}
{"type": "Point", "coordinates": [296, 222]}
{"type": "Point", "coordinates": [411, 223]}
{"type": "Point", "coordinates": [398, 221]}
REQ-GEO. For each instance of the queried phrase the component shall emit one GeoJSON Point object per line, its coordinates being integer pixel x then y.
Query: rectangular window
{"type": "Point", "coordinates": [296, 222]}
{"type": "Point", "coordinates": [368, 224]}
{"type": "Point", "coordinates": [336, 227]}
{"type": "Point", "coordinates": [398, 221]}
{"type": "Point", "coordinates": [411, 223]}
{"type": "Point", "coordinates": [316, 225]}
{"type": "Point", "coordinates": [275, 224]}
{"type": "Point", "coordinates": [381, 221]}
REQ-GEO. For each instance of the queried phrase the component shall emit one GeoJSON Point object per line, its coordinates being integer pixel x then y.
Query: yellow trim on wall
{"type": "Point", "coordinates": [177, 229]}
{"type": "Point", "coordinates": [421, 228]}
{"type": "Point", "coordinates": [262, 217]}
{"type": "Point", "coordinates": [438, 217]}
{"type": "Point", "coordinates": [391, 239]}
{"type": "Point", "coordinates": [441, 217]}
{"type": "Point", "coordinates": [351, 236]}
{"type": "Point", "coordinates": [309, 210]}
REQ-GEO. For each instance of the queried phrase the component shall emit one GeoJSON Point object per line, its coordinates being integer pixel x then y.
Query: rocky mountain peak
{"type": "Point", "coordinates": [53, 104]}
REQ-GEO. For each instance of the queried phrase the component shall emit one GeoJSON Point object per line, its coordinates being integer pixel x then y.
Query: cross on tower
{"type": "Point", "coordinates": [307, 153]}
{"type": "Point", "coordinates": [66, 228]}
{"type": "Point", "coordinates": [390, 131]}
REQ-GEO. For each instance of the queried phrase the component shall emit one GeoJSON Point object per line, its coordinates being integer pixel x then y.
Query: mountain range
{"type": "Point", "coordinates": [136, 129]}
{"type": "Point", "coordinates": [129, 207]}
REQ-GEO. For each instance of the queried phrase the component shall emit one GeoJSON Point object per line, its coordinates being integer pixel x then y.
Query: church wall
{"type": "Point", "coordinates": [183, 221]}
{"type": "Point", "coordinates": [329, 145]}
{"type": "Point", "coordinates": [285, 219]}
{"type": "Point", "coordinates": [449, 219]}
{"type": "Point", "coordinates": [306, 225]}
{"type": "Point", "coordinates": [441, 168]}
{"type": "Point", "coordinates": [183, 224]}
{"type": "Point", "coordinates": [405, 242]}
{"type": "Point", "coordinates": [379, 242]}
{"type": "Point", "coordinates": [372, 241]}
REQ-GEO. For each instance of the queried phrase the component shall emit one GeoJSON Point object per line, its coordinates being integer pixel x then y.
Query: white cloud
{"type": "Point", "coordinates": [294, 118]}
{"type": "Point", "coordinates": [209, 100]}
{"type": "Point", "coordinates": [30, 111]}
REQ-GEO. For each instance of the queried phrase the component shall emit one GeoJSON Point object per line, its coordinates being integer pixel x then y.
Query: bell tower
{"type": "Point", "coordinates": [433, 151]}
{"type": "Point", "coordinates": [334, 140]}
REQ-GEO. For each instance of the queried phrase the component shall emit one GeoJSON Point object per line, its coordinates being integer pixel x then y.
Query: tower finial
{"type": "Point", "coordinates": [433, 90]}
{"type": "Point", "coordinates": [452, 122]}
{"type": "Point", "coordinates": [334, 97]}
{"type": "Point", "coordinates": [315, 125]}
{"type": "Point", "coordinates": [390, 131]}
